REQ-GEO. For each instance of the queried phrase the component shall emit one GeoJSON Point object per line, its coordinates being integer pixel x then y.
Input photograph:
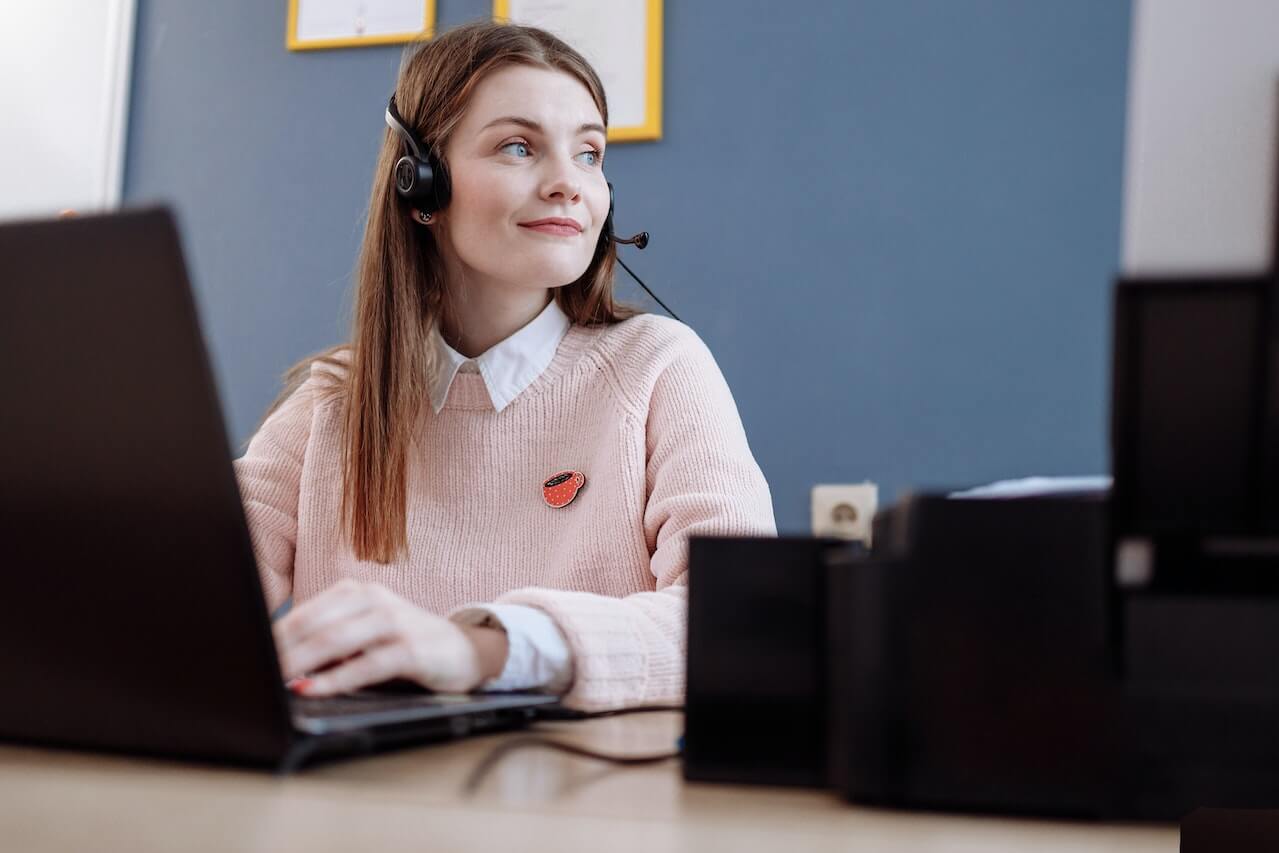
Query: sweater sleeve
{"type": "Point", "coordinates": [269, 476]}
{"type": "Point", "coordinates": [701, 479]}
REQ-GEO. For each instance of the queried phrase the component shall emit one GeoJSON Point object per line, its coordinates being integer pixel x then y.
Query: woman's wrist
{"type": "Point", "coordinates": [491, 648]}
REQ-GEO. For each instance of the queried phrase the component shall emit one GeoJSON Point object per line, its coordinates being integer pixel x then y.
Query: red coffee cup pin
{"type": "Point", "coordinates": [562, 488]}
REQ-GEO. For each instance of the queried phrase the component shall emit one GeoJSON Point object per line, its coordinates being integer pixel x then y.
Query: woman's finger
{"type": "Point", "coordinates": [339, 602]}
{"type": "Point", "coordinates": [337, 641]}
{"type": "Point", "coordinates": [377, 664]}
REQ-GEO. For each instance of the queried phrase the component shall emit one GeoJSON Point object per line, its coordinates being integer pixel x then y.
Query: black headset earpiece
{"type": "Point", "coordinates": [420, 177]}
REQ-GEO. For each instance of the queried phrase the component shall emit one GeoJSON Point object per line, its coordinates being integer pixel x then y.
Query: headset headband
{"type": "Point", "coordinates": [396, 123]}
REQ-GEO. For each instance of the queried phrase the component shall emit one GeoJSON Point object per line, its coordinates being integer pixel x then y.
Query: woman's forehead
{"type": "Point", "coordinates": [554, 99]}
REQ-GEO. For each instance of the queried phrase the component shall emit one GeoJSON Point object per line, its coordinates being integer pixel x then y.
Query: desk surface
{"type": "Point", "coordinates": [532, 799]}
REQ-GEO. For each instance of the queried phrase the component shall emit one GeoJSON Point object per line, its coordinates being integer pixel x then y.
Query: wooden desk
{"type": "Point", "coordinates": [532, 799]}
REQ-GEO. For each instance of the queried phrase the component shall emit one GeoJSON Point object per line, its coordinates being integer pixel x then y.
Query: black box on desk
{"type": "Point", "coordinates": [969, 657]}
{"type": "Point", "coordinates": [756, 699]}
{"type": "Point", "coordinates": [989, 658]}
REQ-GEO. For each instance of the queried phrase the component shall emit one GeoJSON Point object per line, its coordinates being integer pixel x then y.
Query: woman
{"type": "Point", "coordinates": [492, 486]}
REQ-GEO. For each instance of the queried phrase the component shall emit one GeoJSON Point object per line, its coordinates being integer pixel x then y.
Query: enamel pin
{"type": "Point", "coordinates": [562, 488]}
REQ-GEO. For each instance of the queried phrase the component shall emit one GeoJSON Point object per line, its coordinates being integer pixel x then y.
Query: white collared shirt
{"type": "Point", "coordinates": [538, 656]}
{"type": "Point", "coordinates": [508, 367]}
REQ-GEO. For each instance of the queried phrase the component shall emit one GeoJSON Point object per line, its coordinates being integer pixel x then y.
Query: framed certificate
{"type": "Point", "coordinates": [622, 39]}
{"type": "Point", "coordinates": [318, 24]}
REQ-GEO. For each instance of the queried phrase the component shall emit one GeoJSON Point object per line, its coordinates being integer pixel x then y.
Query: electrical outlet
{"type": "Point", "coordinates": [845, 510]}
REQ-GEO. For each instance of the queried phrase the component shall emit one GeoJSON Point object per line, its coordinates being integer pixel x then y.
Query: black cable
{"type": "Point", "coordinates": [506, 747]}
{"type": "Point", "coordinates": [570, 714]}
{"type": "Point", "coordinates": [645, 286]}
{"type": "Point", "coordinates": [503, 749]}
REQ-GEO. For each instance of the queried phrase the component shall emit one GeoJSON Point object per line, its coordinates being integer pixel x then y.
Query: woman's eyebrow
{"type": "Point", "coordinates": [534, 126]}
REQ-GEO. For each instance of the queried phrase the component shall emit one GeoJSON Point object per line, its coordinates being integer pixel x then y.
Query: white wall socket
{"type": "Point", "coordinates": [845, 510]}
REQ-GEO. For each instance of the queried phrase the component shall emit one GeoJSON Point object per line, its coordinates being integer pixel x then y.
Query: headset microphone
{"type": "Point", "coordinates": [422, 180]}
{"type": "Point", "coordinates": [639, 241]}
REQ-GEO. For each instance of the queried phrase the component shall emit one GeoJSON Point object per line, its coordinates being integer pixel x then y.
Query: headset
{"type": "Point", "coordinates": [422, 180]}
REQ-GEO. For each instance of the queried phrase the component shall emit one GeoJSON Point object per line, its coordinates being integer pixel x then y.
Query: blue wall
{"type": "Point", "coordinates": [895, 222]}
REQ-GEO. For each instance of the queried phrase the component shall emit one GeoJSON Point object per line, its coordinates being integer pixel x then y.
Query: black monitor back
{"type": "Point", "coordinates": [132, 616]}
{"type": "Point", "coordinates": [1194, 413]}
{"type": "Point", "coordinates": [1195, 434]}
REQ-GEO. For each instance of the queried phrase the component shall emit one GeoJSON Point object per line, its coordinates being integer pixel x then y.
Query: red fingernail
{"type": "Point", "coordinates": [300, 685]}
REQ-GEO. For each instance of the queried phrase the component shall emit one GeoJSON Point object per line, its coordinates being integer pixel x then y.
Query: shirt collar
{"type": "Point", "coordinates": [508, 367]}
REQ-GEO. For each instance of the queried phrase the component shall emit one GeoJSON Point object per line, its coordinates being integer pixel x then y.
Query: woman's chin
{"type": "Point", "coordinates": [551, 274]}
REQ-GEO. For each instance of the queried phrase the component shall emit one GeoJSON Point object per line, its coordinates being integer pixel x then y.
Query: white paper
{"type": "Point", "coordinates": [1031, 486]}
{"type": "Point", "coordinates": [337, 19]}
{"type": "Point", "coordinates": [612, 36]}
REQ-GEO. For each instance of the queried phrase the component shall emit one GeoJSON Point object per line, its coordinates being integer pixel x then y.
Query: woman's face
{"type": "Point", "coordinates": [529, 148]}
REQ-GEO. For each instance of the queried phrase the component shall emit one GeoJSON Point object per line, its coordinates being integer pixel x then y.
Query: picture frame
{"type": "Point", "coordinates": [328, 24]}
{"type": "Point", "coordinates": [622, 39]}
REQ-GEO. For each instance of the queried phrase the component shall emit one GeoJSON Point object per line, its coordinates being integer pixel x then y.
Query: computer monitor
{"type": "Point", "coordinates": [1193, 406]}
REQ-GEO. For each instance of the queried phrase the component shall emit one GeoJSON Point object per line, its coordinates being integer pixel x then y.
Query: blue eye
{"type": "Point", "coordinates": [595, 155]}
{"type": "Point", "coordinates": [523, 145]}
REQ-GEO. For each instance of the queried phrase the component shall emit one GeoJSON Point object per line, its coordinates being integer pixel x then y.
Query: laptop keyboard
{"type": "Point", "coordinates": [369, 703]}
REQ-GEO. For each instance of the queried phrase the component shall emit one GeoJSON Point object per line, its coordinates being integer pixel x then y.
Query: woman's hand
{"type": "Point", "coordinates": [367, 634]}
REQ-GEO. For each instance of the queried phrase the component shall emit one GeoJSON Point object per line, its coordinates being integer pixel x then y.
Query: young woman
{"type": "Point", "coordinates": [493, 484]}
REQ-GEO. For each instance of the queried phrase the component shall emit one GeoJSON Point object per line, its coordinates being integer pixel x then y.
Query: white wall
{"type": "Point", "coordinates": [64, 84]}
{"type": "Point", "coordinates": [1200, 162]}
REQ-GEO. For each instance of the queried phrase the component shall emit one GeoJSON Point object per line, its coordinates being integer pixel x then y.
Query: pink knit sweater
{"type": "Point", "coordinates": [640, 408]}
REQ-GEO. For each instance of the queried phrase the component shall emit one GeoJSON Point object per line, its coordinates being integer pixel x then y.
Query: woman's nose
{"type": "Point", "coordinates": [563, 183]}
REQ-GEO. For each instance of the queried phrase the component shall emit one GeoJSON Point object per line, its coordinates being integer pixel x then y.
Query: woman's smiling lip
{"type": "Point", "coordinates": [556, 225]}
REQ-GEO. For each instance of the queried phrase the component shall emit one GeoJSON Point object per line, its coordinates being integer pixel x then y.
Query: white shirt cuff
{"type": "Point", "coordinates": [537, 658]}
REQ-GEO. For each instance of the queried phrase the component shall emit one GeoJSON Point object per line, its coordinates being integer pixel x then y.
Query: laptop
{"type": "Point", "coordinates": [132, 617]}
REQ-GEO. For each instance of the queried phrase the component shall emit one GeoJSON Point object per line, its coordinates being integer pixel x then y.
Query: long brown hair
{"type": "Point", "coordinates": [400, 287]}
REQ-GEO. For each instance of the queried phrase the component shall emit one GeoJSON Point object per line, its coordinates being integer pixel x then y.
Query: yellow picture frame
{"type": "Point", "coordinates": [292, 42]}
{"type": "Point", "coordinates": [650, 128]}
